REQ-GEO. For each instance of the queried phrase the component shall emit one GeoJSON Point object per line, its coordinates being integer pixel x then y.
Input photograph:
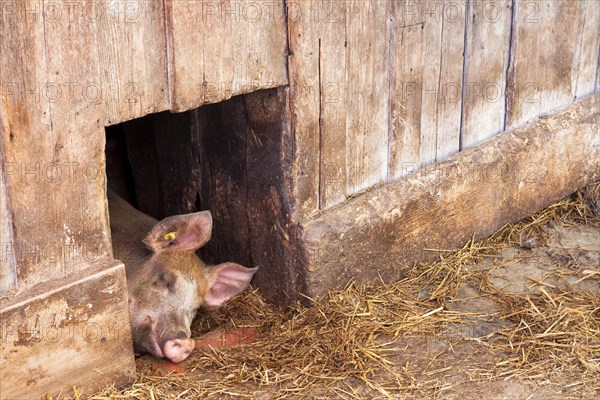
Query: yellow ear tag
{"type": "Point", "coordinates": [170, 236]}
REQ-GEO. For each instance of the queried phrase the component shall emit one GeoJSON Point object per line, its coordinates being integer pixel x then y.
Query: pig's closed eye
{"type": "Point", "coordinates": [165, 281]}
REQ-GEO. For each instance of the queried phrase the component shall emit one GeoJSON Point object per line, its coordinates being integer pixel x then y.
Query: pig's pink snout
{"type": "Point", "coordinates": [178, 350]}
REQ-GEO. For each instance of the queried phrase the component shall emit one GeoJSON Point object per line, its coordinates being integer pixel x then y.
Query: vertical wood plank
{"type": "Point", "coordinates": [339, 79]}
{"type": "Point", "coordinates": [431, 83]}
{"type": "Point", "coordinates": [598, 75]}
{"type": "Point", "coordinates": [274, 238]}
{"type": "Point", "coordinates": [53, 144]}
{"type": "Point", "coordinates": [24, 116]}
{"type": "Point", "coordinates": [77, 207]}
{"type": "Point", "coordinates": [332, 103]}
{"type": "Point", "coordinates": [442, 79]}
{"type": "Point", "coordinates": [367, 56]}
{"type": "Point", "coordinates": [449, 105]}
{"type": "Point", "coordinates": [426, 86]}
{"type": "Point", "coordinates": [586, 55]}
{"type": "Point", "coordinates": [487, 56]}
{"type": "Point", "coordinates": [544, 46]}
{"type": "Point", "coordinates": [407, 69]}
{"type": "Point", "coordinates": [219, 49]}
{"type": "Point", "coordinates": [304, 62]}
{"type": "Point", "coordinates": [130, 38]}
{"type": "Point", "coordinates": [8, 270]}
{"type": "Point", "coordinates": [221, 129]}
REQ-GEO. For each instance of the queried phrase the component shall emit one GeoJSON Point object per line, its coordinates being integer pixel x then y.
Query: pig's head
{"type": "Point", "coordinates": [169, 286]}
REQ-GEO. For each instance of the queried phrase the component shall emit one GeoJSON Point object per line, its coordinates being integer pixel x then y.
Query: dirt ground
{"type": "Point", "coordinates": [516, 316]}
{"type": "Point", "coordinates": [571, 254]}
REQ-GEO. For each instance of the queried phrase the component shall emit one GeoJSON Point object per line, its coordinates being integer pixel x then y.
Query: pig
{"type": "Point", "coordinates": [166, 281]}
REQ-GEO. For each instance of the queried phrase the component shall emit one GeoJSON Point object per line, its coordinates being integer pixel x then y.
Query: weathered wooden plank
{"type": "Point", "coordinates": [224, 185]}
{"type": "Point", "coordinates": [130, 40]}
{"type": "Point", "coordinates": [305, 98]}
{"type": "Point", "coordinates": [333, 105]}
{"type": "Point", "coordinates": [428, 46]}
{"type": "Point", "coordinates": [487, 57]}
{"type": "Point", "coordinates": [274, 234]}
{"type": "Point", "coordinates": [367, 56]}
{"type": "Point", "coordinates": [235, 47]}
{"type": "Point", "coordinates": [587, 50]}
{"type": "Point", "coordinates": [8, 269]}
{"type": "Point", "coordinates": [430, 86]}
{"type": "Point", "coordinates": [53, 142]}
{"type": "Point", "coordinates": [340, 101]}
{"type": "Point", "coordinates": [598, 75]}
{"type": "Point", "coordinates": [75, 335]}
{"type": "Point", "coordinates": [23, 113]}
{"type": "Point", "coordinates": [442, 79]}
{"type": "Point", "coordinates": [449, 105]}
{"type": "Point", "coordinates": [406, 75]}
{"type": "Point", "coordinates": [544, 46]}
{"type": "Point", "coordinates": [379, 234]}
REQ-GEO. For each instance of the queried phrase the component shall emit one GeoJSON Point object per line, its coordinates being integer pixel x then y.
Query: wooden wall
{"type": "Point", "coordinates": [381, 88]}
{"type": "Point", "coordinates": [67, 70]}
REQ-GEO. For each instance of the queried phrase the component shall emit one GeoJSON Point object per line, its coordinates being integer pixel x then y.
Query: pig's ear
{"type": "Point", "coordinates": [185, 233]}
{"type": "Point", "coordinates": [226, 280]}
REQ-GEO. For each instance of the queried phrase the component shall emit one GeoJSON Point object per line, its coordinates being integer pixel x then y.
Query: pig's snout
{"type": "Point", "coordinates": [178, 350]}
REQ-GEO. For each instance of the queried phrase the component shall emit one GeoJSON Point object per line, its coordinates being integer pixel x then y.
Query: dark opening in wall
{"type": "Point", "coordinates": [228, 158]}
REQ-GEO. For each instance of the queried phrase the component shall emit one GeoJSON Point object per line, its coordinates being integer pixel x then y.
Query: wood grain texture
{"type": "Point", "coordinates": [8, 268]}
{"type": "Point", "coordinates": [274, 235]}
{"type": "Point", "coordinates": [333, 103]}
{"type": "Point", "coordinates": [305, 97]}
{"type": "Point", "coordinates": [470, 195]}
{"type": "Point", "coordinates": [406, 84]}
{"type": "Point", "coordinates": [223, 48]}
{"type": "Point", "coordinates": [487, 57]}
{"type": "Point", "coordinates": [442, 79]}
{"type": "Point", "coordinates": [77, 334]}
{"type": "Point", "coordinates": [432, 82]}
{"type": "Point", "coordinates": [367, 56]}
{"type": "Point", "coordinates": [53, 142]}
{"type": "Point", "coordinates": [223, 188]}
{"type": "Point", "coordinates": [545, 39]}
{"type": "Point", "coordinates": [598, 75]}
{"type": "Point", "coordinates": [450, 81]}
{"type": "Point", "coordinates": [130, 40]}
{"type": "Point", "coordinates": [585, 59]}
{"type": "Point", "coordinates": [426, 83]}
{"type": "Point", "coordinates": [340, 96]}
